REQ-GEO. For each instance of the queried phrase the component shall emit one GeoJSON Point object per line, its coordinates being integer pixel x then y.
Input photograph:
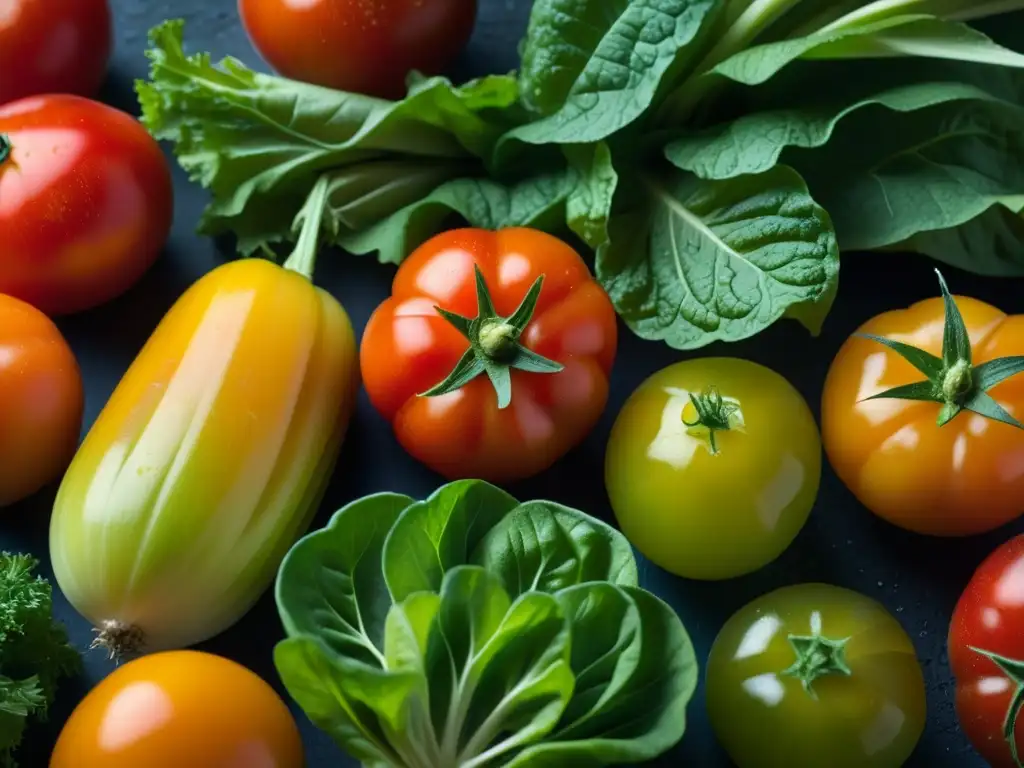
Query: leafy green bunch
{"type": "Point", "coordinates": [715, 154]}
{"type": "Point", "coordinates": [471, 631]}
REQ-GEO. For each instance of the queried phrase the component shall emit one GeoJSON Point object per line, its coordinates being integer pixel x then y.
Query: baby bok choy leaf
{"type": "Point", "coordinates": [516, 636]}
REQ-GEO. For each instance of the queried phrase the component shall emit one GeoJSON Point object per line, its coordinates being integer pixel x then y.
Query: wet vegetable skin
{"type": "Point", "coordinates": [713, 504]}
{"type": "Point", "coordinates": [177, 709]}
{"type": "Point", "coordinates": [815, 675]}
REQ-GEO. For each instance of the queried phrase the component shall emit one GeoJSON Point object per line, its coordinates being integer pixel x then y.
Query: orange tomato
{"type": "Point", "coordinates": [177, 709]}
{"type": "Point", "coordinates": [963, 478]}
{"type": "Point", "coordinates": [409, 347]}
{"type": "Point", "coordinates": [41, 400]}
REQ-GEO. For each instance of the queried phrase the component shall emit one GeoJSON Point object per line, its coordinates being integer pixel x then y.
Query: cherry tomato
{"type": "Point", "coordinates": [720, 490]}
{"type": "Point", "coordinates": [176, 709]}
{"type": "Point", "coordinates": [963, 478]}
{"type": "Point", "coordinates": [41, 401]}
{"type": "Point", "coordinates": [366, 46]}
{"type": "Point", "coordinates": [551, 362]}
{"type": "Point", "coordinates": [986, 653]}
{"type": "Point", "coordinates": [815, 675]}
{"type": "Point", "coordinates": [85, 202]}
{"type": "Point", "coordinates": [53, 46]}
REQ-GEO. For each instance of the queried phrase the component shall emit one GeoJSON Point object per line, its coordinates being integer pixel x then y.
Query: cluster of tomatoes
{"type": "Point", "coordinates": [491, 359]}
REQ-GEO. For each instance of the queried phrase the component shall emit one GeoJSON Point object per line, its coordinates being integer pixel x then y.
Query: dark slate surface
{"type": "Point", "coordinates": [918, 579]}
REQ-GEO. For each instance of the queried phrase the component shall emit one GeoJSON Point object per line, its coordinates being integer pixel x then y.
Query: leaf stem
{"type": "Point", "coordinates": [714, 414]}
{"type": "Point", "coordinates": [303, 258]}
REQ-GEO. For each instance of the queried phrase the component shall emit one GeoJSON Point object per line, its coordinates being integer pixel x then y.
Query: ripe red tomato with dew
{"type": "Point", "coordinates": [986, 654]}
{"type": "Point", "coordinates": [491, 357]}
{"type": "Point", "coordinates": [85, 202]}
{"type": "Point", "coordinates": [53, 46]}
{"type": "Point", "coordinates": [366, 46]}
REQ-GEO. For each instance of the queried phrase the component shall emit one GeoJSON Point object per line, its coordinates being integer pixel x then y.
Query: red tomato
{"type": "Point", "coordinates": [367, 46]}
{"type": "Point", "coordinates": [85, 202]}
{"type": "Point", "coordinates": [178, 709]}
{"type": "Point", "coordinates": [409, 347]}
{"type": "Point", "coordinates": [53, 46]}
{"type": "Point", "coordinates": [986, 653]}
{"type": "Point", "coordinates": [41, 401]}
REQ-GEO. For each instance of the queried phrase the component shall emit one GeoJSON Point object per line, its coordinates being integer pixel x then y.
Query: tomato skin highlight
{"type": "Point", "coordinates": [408, 347]}
{"type": "Point", "coordinates": [704, 515]}
{"type": "Point", "coordinates": [41, 401]}
{"type": "Point", "coordinates": [989, 616]}
{"type": "Point", "coordinates": [54, 46]}
{"type": "Point", "coordinates": [365, 46]}
{"type": "Point", "coordinates": [764, 718]}
{"type": "Point", "coordinates": [180, 708]}
{"type": "Point", "coordinates": [964, 478]}
{"type": "Point", "coordinates": [85, 202]}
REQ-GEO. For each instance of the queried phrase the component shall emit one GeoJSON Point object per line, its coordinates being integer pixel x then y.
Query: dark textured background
{"type": "Point", "coordinates": [918, 579]}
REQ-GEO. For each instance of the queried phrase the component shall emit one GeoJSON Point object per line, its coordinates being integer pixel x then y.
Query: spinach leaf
{"type": "Point", "coordinates": [590, 202]}
{"type": "Point", "coordinates": [432, 536]}
{"type": "Point", "coordinates": [699, 261]}
{"type": "Point", "coordinates": [640, 42]}
{"type": "Point", "coordinates": [259, 143]}
{"type": "Point", "coordinates": [330, 583]}
{"type": "Point", "coordinates": [535, 202]}
{"type": "Point", "coordinates": [635, 674]}
{"type": "Point", "coordinates": [991, 244]}
{"type": "Point", "coordinates": [754, 143]}
{"type": "Point", "coordinates": [545, 547]}
{"type": "Point", "coordinates": [933, 170]}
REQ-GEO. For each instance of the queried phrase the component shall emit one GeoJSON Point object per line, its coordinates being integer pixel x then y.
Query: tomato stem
{"type": "Point", "coordinates": [817, 656]}
{"type": "Point", "coordinates": [309, 222]}
{"type": "Point", "coordinates": [5, 147]}
{"type": "Point", "coordinates": [494, 346]}
{"type": "Point", "coordinates": [714, 413]}
{"type": "Point", "coordinates": [1014, 670]}
{"type": "Point", "coordinates": [953, 381]}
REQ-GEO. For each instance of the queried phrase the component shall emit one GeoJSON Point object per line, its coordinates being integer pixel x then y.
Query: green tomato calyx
{"type": "Point", "coordinates": [1014, 670]}
{"type": "Point", "coordinates": [817, 656]}
{"type": "Point", "coordinates": [953, 381]}
{"type": "Point", "coordinates": [494, 346]}
{"type": "Point", "coordinates": [5, 147]}
{"type": "Point", "coordinates": [714, 414]}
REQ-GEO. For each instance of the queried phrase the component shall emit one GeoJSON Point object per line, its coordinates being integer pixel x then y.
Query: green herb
{"type": "Point", "coordinates": [34, 651]}
{"type": "Point", "coordinates": [470, 630]}
{"type": "Point", "coordinates": [954, 381]}
{"type": "Point", "coordinates": [710, 151]}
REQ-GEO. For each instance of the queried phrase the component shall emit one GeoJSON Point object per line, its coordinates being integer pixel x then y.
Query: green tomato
{"type": "Point", "coordinates": [815, 675]}
{"type": "Point", "coordinates": [713, 466]}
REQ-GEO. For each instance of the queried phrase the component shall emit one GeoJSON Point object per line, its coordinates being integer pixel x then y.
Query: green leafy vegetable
{"type": "Point", "coordinates": [710, 152]}
{"type": "Point", "coordinates": [513, 635]}
{"type": "Point", "coordinates": [34, 651]}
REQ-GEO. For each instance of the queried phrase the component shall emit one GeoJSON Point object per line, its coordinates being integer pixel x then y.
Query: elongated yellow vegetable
{"type": "Point", "coordinates": [210, 458]}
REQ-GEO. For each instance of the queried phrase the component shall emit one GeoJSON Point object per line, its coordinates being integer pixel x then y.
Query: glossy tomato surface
{"type": "Point", "coordinates": [366, 46]}
{"type": "Point", "coordinates": [408, 347]}
{"type": "Point", "coordinates": [177, 709]}
{"type": "Point", "coordinates": [870, 715]}
{"type": "Point", "coordinates": [713, 513]}
{"type": "Point", "coordinates": [964, 478]}
{"type": "Point", "coordinates": [53, 46]}
{"type": "Point", "coordinates": [85, 202]}
{"type": "Point", "coordinates": [41, 401]}
{"type": "Point", "coordinates": [989, 619]}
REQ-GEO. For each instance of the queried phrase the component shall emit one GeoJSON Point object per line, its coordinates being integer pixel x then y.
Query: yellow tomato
{"type": "Point", "coordinates": [180, 709]}
{"type": "Point", "coordinates": [713, 466]}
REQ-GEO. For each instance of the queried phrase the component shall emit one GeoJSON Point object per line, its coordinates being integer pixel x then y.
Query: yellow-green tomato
{"type": "Point", "coordinates": [713, 466]}
{"type": "Point", "coordinates": [815, 675]}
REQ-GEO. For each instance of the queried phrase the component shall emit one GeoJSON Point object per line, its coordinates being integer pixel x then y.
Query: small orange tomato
{"type": "Point", "coordinates": [177, 709]}
{"type": "Point", "coordinates": [491, 358]}
{"type": "Point", "coordinates": [41, 400]}
{"type": "Point", "coordinates": [920, 419]}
